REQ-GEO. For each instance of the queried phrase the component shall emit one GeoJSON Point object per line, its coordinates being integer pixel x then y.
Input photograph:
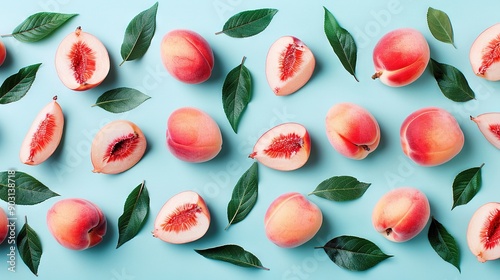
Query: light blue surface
{"type": "Point", "coordinates": [68, 172]}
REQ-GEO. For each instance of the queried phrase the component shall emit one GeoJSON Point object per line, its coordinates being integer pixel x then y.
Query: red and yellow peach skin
{"type": "Point", "coordinates": [4, 222]}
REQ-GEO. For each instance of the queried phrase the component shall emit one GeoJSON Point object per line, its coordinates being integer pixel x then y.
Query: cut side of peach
{"type": "Point", "coordinates": [489, 125]}
{"type": "Point", "coordinates": [485, 54]}
{"type": "Point", "coordinates": [284, 147]}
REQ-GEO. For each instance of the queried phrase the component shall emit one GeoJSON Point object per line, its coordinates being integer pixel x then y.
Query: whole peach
{"type": "Point", "coordinates": [431, 136]}
{"type": "Point", "coordinates": [3, 53]}
{"type": "Point", "coordinates": [76, 223]}
{"type": "Point", "coordinates": [192, 135]}
{"type": "Point", "coordinates": [291, 220]}
{"type": "Point", "coordinates": [4, 222]}
{"type": "Point", "coordinates": [400, 57]}
{"type": "Point", "coordinates": [401, 214]}
{"type": "Point", "coordinates": [352, 130]}
{"type": "Point", "coordinates": [187, 56]}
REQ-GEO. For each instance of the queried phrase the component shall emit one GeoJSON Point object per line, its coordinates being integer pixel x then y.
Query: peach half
{"type": "Point", "coordinates": [484, 54]}
{"type": "Point", "coordinates": [489, 125]}
{"type": "Point", "coordinates": [284, 147]}
{"type": "Point", "coordinates": [401, 214]}
{"type": "Point", "coordinates": [183, 218]}
{"type": "Point", "coordinates": [431, 136]}
{"type": "Point", "coordinates": [352, 130]}
{"type": "Point", "coordinates": [289, 65]}
{"type": "Point", "coordinates": [483, 232]}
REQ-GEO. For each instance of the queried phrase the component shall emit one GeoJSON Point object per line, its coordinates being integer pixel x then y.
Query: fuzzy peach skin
{"type": "Point", "coordinates": [291, 220]}
{"type": "Point", "coordinates": [400, 57]}
{"type": "Point", "coordinates": [187, 56]}
{"type": "Point", "coordinates": [76, 224]}
{"type": "Point", "coordinates": [352, 130]}
{"type": "Point", "coordinates": [401, 214]}
{"type": "Point", "coordinates": [192, 135]}
{"type": "Point", "coordinates": [431, 136]}
{"type": "Point", "coordinates": [3, 53]}
{"type": "Point", "coordinates": [4, 222]}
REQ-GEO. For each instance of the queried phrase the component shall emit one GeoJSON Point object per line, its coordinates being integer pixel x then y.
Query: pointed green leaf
{"type": "Point", "coordinates": [248, 23]}
{"type": "Point", "coordinates": [236, 93]}
{"type": "Point", "coordinates": [466, 185]}
{"type": "Point", "coordinates": [120, 100]}
{"type": "Point", "coordinates": [39, 25]}
{"type": "Point", "coordinates": [443, 243]}
{"type": "Point", "coordinates": [29, 247]}
{"type": "Point", "coordinates": [16, 86]}
{"type": "Point", "coordinates": [138, 35]}
{"type": "Point", "coordinates": [232, 254]}
{"type": "Point", "coordinates": [440, 25]}
{"type": "Point", "coordinates": [28, 190]}
{"type": "Point", "coordinates": [354, 253]}
{"type": "Point", "coordinates": [134, 215]}
{"type": "Point", "coordinates": [244, 196]}
{"type": "Point", "coordinates": [342, 42]}
{"type": "Point", "coordinates": [341, 188]}
{"type": "Point", "coordinates": [452, 82]}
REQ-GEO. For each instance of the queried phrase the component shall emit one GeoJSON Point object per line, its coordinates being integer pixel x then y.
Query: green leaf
{"type": "Point", "coordinates": [452, 82]}
{"type": "Point", "coordinates": [354, 253]}
{"type": "Point", "coordinates": [134, 215]}
{"type": "Point", "coordinates": [244, 196]}
{"type": "Point", "coordinates": [39, 25]}
{"type": "Point", "coordinates": [341, 188]}
{"type": "Point", "coordinates": [466, 185]}
{"type": "Point", "coordinates": [16, 86]}
{"type": "Point", "coordinates": [232, 254]}
{"type": "Point", "coordinates": [443, 243]}
{"type": "Point", "coordinates": [138, 35]}
{"type": "Point", "coordinates": [24, 188]}
{"type": "Point", "coordinates": [342, 42]}
{"type": "Point", "coordinates": [120, 100]}
{"type": "Point", "coordinates": [440, 26]}
{"type": "Point", "coordinates": [248, 23]}
{"type": "Point", "coordinates": [236, 93]}
{"type": "Point", "coordinates": [30, 247]}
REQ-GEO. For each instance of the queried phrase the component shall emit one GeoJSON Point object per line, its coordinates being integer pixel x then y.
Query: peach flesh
{"type": "Point", "coordinates": [192, 135]}
{"type": "Point", "coordinates": [401, 214]}
{"type": "Point", "coordinates": [483, 232]}
{"type": "Point", "coordinates": [291, 220]}
{"type": "Point", "coordinates": [187, 56]}
{"type": "Point", "coordinates": [3, 53]}
{"type": "Point", "coordinates": [4, 222]}
{"type": "Point", "coordinates": [352, 130]}
{"type": "Point", "coordinates": [183, 218]}
{"type": "Point", "coordinates": [484, 54]}
{"type": "Point", "coordinates": [76, 223]}
{"type": "Point", "coordinates": [489, 125]}
{"type": "Point", "coordinates": [431, 136]}
{"type": "Point", "coordinates": [400, 57]}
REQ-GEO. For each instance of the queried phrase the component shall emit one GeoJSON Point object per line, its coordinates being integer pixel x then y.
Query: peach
{"type": "Point", "coordinates": [401, 214]}
{"type": "Point", "coordinates": [192, 135]}
{"type": "Point", "coordinates": [400, 57]}
{"type": "Point", "coordinates": [483, 232]}
{"type": "Point", "coordinates": [4, 223]}
{"type": "Point", "coordinates": [431, 136]}
{"type": "Point", "coordinates": [489, 125]}
{"type": "Point", "coordinates": [187, 56]}
{"type": "Point", "coordinates": [183, 218]}
{"type": "Point", "coordinates": [289, 65]}
{"type": "Point", "coordinates": [3, 52]}
{"type": "Point", "coordinates": [291, 220]}
{"type": "Point", "coordinates": [352, 130]}
{"type": "Point", "coordinates": [76, 223]}
{"type": "Point", "coordinates": [484, 55]}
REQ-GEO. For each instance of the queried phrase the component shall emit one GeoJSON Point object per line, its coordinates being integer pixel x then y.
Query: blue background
{"type": "Point", "coordinates": [68, 171]}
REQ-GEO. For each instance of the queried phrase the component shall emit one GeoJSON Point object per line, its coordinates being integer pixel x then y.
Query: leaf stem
{"type": "Point", "coordinates": [220, 32]}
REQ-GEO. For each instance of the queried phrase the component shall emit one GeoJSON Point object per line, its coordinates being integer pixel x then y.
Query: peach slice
{"type": "Point", "coordinates": [3, 53]}
{"type": "Point", "coordinates": [4, 225]}
{"type": "Point", "coordinates": [400, 57]}
{"type": "Point", "coordinates": [489, 125]}
{"type": "Point", "coordinates": [44, 135]}
{"type": "Point", "coordinates": [483, 232]}
{"type": "Point", "coordinates": [76, 223]}
{"type": "Point", "coordinates": [187, 56]}
{"type": "Point", "coordinates": [183, 218]}
{"type": "Point", "coordinates": [289, 65]}
{"type": "Point", "coordinates": [352, 130]}
{"type": "Point", "coordinates": [117, 147]}
{"type": "Point", "coordinates": [284, 147]}
{"type": "Point", "coordinates": [401, 214]}
{"type": "Point", "coordinates": [484, 54]}
{"type": "Point", "coordinates": [82, 61]}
